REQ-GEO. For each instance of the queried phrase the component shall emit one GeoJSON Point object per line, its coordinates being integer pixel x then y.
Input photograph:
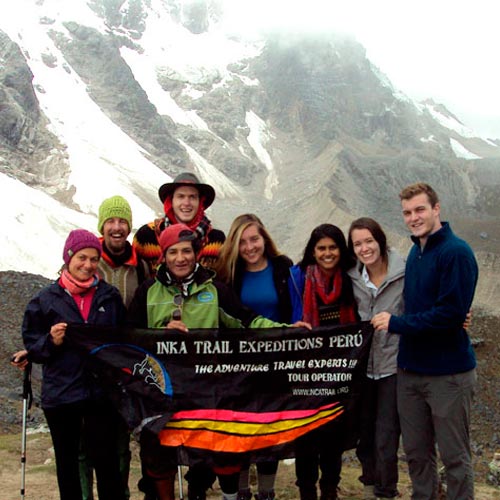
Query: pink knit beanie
{"type": "Point", "coordinates": [77, 240]}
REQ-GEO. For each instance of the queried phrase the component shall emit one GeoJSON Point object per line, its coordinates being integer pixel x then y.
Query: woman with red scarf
{"type": "Point", "coordinates": [321, 294]}
{"type": "Point", "coordinates": [73, 403]}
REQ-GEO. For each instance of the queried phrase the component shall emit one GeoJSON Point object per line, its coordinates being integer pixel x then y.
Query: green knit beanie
{"type": "Point", "coordinates": [116, 206]}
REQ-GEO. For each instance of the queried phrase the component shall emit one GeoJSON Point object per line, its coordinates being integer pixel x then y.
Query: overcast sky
{"type": "Point", "coordinates": [444, 49]}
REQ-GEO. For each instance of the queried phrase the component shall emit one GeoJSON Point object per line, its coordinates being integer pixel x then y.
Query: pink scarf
{"type": "Point", "coordinates": [82, 291]}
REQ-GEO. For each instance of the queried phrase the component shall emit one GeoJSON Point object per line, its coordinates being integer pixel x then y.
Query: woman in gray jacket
{"type": "Point", "coordinates": [377, 281]}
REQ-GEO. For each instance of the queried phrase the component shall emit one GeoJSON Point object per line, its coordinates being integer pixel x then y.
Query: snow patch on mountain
{"type": "Point", "coordinates": [144, 72]}
{"type": "Point", "coordinates": [100, 154]}
{"type": "Point", "coordinates": [461, 151]}
{"type": "Point", "coordinates": [257, 138]}
{"type": "Point", "coordinates": [198, 59]}
{"type": "Point", "coordinates": [35, 227]}
{"type": "Point", "coordinates": [450, 122]}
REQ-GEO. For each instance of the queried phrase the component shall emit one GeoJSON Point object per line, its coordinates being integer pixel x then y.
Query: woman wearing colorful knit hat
{"type": "Point", "coordinates": [73, 403]}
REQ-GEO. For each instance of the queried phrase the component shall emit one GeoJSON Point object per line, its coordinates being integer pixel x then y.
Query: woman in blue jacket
{"type": "Point", "coordinates": [251, 264]}
{"type": "Point", "coordinates": [73, 404]}
{"type": "Point", "coordinates": [321, 294]}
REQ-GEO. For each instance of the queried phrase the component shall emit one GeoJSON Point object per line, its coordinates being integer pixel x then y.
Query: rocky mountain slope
{"type": "Point", "coordinates": [300, 129]}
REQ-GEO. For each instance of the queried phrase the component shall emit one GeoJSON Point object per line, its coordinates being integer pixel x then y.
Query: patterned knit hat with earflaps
{"type": "Point", "coordinates": [77, 240]}
{"type": "Point", "coordinates": [116, 206]}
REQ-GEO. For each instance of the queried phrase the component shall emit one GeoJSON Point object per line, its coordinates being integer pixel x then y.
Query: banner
{"type": "Point", "coordinates": [231, 391]}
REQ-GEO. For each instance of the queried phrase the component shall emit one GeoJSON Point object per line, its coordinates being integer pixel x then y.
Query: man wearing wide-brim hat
{"type": "Point", "coordinates": [184, 201]}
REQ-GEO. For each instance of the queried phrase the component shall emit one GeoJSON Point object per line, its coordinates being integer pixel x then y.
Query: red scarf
{"type": "Point", "coordinates": [316, 285]}
{"type": "Point", "coordinates": [82, 291]}
{"type": "Point", "coordinates": [200, 223]}
{"type": "Point", "coordinates": [197, 219]}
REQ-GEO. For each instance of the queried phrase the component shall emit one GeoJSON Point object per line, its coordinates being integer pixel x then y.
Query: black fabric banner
{"type": "Point", "coordinates": [248, 391]}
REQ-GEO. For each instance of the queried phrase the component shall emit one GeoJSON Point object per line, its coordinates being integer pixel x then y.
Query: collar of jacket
{"type": "Point", "coordinates": [435, 238]}
{"type": "Point", "coordinates": [201, 275]}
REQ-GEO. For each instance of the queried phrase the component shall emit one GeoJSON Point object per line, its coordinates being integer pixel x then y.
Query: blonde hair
{"type": "Point", "coordinates": [229, 261]}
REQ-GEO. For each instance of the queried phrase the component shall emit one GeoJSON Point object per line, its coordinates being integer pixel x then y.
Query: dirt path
{"type": "Point", "coordinates": [41, 481]}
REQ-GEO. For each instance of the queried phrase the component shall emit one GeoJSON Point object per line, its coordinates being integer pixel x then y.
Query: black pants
{"type": "Point", "coordinates": [319, 450]}
{"type": "Point", "coordinates": [200, 478]}
{"type": "Point", "coordinates": [379, 436]}
{"type": "Point", "coordinates": [95, 422]}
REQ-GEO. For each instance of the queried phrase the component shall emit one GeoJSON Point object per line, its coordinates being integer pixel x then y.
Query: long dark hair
{"type": "Point", "coordinates": [375, 229]}
{"type": "Point", "coordinates": [327, 231]}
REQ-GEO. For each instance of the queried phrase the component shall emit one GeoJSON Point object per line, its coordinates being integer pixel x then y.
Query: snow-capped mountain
{"type": "Point", "coordinates": [102, 97]}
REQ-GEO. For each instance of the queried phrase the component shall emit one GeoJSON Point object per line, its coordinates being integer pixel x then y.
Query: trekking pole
{"type": "Point", "coordinates": [181, 489]}
{"type": "Point", "coordinates": [27, 400]}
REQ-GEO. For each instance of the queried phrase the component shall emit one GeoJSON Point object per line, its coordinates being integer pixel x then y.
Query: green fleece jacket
{"type": "Point", "coordinates": [209, 304]}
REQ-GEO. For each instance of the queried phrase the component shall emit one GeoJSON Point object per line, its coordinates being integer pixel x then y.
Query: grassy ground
{"type": "Point", "coordinates": [40, 480]}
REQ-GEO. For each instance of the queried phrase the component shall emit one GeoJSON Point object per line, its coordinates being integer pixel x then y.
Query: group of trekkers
{"type": "Point", "coordinates": [420, 377]}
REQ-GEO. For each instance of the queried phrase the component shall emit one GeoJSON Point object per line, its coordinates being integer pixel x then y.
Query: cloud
{"type": "Point", "coordinates": [446, 50]}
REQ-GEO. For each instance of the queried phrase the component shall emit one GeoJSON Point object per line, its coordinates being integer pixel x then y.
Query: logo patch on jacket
{"type": "Point", "coordinates": [205, 297]}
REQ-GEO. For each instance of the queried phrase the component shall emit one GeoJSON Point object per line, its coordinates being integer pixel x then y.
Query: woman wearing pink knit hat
{"type": "Point", "coordinates": [74, 405]}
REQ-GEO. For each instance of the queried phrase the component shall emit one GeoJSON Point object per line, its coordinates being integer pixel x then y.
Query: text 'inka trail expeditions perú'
{"type": "Point", "coordinates": [258, 346]}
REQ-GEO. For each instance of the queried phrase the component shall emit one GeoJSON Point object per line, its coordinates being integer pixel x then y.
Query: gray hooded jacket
{"type": "Point", "coordinates": [389, 297]}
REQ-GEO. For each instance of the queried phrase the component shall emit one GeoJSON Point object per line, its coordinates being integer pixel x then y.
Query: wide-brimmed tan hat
{"type": "Point", "coordinates": [206, 191]}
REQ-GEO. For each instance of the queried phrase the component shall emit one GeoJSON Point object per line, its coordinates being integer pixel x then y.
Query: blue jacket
{"type": "Point", "coordinates": [64, 379]}
{"type": "Point", "coordinates": [440, 282]}
{"type": "Point", "coordinates": [296, 285]}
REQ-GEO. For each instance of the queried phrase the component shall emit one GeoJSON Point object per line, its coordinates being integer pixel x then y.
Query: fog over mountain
{"type": "Point", "coordinates": [104, 97]}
